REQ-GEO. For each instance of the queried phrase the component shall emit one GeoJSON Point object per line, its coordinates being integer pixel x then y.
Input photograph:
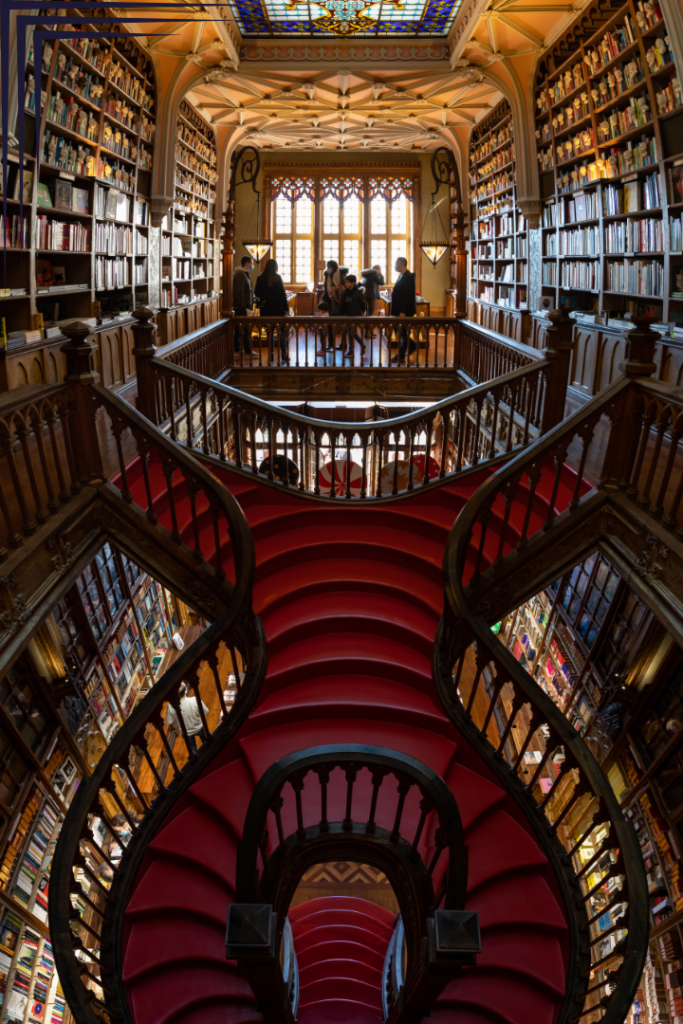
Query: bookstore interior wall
{"type": "Point", "coordinates": [78, 210]}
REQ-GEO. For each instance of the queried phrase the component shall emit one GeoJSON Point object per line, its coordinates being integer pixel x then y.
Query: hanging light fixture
{"type": "Point", "coordinates": [434, 239]}
{"type": "Point", "coordinates": [257, 247]}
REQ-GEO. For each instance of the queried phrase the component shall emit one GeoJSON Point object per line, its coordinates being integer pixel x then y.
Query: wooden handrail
{"type": "Point", "coordinates": [547, 766]}
{"type": "Point", "coordinates": [265, 869]}
{"type": "Point", "coordinates": [371, 460]}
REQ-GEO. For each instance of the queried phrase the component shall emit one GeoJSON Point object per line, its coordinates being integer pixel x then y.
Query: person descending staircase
{"type": "Point", "coordinates": [350, 598]}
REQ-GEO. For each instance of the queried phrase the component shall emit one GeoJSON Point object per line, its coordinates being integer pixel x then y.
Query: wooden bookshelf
{"type": "Point", "coordinates": [189, 246]}
{"type": "Point", "coordinates": [609, 135]}
{"type": "Point", "coordinates": [499, 247]}
{"type": "Point", "coordinates": [95, 134]}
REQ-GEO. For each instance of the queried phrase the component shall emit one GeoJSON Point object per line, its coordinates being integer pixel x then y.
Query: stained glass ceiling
{"type": "Point", "coordinates": [345, 18]}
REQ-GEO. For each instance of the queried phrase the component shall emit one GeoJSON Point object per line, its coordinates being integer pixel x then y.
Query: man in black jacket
{"type": "Point", "coordinates": [403, 304]}
{"type": "Point", "coordinates": [242, 299]}
{"type": "Point", "coordinates": [355, 305]}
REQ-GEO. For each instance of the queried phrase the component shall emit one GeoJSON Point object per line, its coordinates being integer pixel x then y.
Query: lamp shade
{"type": "Point", "coordinates": [257, 247]}
{"type": "Point", "coordinates": [433, 250]}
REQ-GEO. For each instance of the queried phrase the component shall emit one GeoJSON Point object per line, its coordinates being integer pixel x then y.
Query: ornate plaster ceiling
{"type": "Point", "coordinates": [359, 94]}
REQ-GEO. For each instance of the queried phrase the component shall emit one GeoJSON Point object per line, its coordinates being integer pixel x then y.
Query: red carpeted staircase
{"type": "Point", "coordinates": [340, 946]}
{"type": "Point", "coordinates": [350, 599]}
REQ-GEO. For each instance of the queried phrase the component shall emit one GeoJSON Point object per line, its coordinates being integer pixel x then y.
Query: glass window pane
{"type": "Point", "coordinates": [331, 216]}
{"type": "Point", "coordinates": [351, 255]}
{"type": "Point", "coordinates": [304, 261]}
{"type": "Point", "coordinates": [283, 217]}
{"type": "Point", "coordinates": [352, 216]}
{"type": "Point", "coordinates": [331, 249]}
{"type": "Point", "coordinates": [398, 248]}
{"type": "Point", "coordinates": [378, 217]}
{"type": "Point", "coordinates": [399, 216]}
{"type": "Point", "coordinates": [283, 255]}
{"type": "Point", "coordinates": [378, 254]}
{"type": "Point", "coordinates": [304, 217]}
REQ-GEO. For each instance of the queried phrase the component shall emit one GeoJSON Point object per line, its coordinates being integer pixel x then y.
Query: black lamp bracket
{"type": "Point", "coordinates": [442, 167]}
{"type": "Point", "coordinates": [248, 167]}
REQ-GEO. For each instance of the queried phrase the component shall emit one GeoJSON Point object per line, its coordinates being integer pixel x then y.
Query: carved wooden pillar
{"type": "Point", "coordinates": [560, 337]}
{"type": "Point", "coordinates": [626, 418]}
{"type": "Point", "coordinates": [460, 258]}
{"type": "Point", "coordinates": [83, 420]}
{"type": "Point", "coordinates": [229, 247]}
{"type": "Point", "coordinates": [144, 332]}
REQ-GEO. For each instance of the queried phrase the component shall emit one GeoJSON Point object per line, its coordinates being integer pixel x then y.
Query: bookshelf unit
{"type": "Point", "coordinates": [190, 270]}
{"type": "Point", "coordinates": [81, 248]}
{"type": "Point", "coordinates": [609, 137]}
{"type": "Point", "coordinates": [498, 272]}
{"type": "Point", "coordinates": [98, 652]}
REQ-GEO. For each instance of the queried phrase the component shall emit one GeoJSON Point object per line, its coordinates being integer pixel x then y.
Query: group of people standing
{"type": "Point", "coordinates": [343, 296]}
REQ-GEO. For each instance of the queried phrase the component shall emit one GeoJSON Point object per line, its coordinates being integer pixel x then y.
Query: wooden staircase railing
{"type": "Point", "coordinates": [371, 460]}
{"type": "Point", "coordinates": [423, 854]}
{"type": "Point", "coordinates": [442, 344]}
{"type": "Point", "coordinates": [81, 465]}
{"type": "Point", "coordinates": [630, 437]}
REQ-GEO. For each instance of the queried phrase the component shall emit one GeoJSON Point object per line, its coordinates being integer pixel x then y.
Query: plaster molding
{"type": "Point", "coordinates": [159, 206]}
{"type": "Point", "coordinates": [343, 53]}
{"type": "Point", "coordinates": [531, 209]}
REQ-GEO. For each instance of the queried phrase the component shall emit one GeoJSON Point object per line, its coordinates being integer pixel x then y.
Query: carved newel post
{"type": "Point", "coordinates": [460, 254]}
{"type": "Point", "coordinates": [560, 338]}
{"type": "Point", "coordinates": [640, 349]}
{"type": "Point", "coordinates": [82, 401]}
{"type": "Point", "coordinates": [144, 332]}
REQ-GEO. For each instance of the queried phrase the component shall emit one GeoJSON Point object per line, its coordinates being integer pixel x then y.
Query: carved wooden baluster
{"type": "Point", "coordinates": [425, 808]}
{"type": "Point", "coordinates": [39, 425]}
{"type": "Point", "coordinates": [378, 775]}
{"type": "Point", "coordinates": [175, 704]}
{"type": "Point", "coordinates": [316, 489]}
{"type": "Point", "coordinates": [271, 449]}
{"type": "Point", "coordinates": [517, 703]}
{"type": "Point", "coordinates": [350, 775]}
{"type": "Point", "coordinates": [276, 808]}
{"type": "Point", "coordinates": [28, 524]}
{"type": "Point", "coordinates": [41, 512]}
{"type": "Point", "coordinates": [397, 435]}
{"type": "Point", "coordinates": [141, 744]}
{"type": "Point", "coordinates": [192, 487]}
{"type": "Point", "coordinates": [559, 459]}
{"type": "Point", "coordinates": [531, 732]}
{"type": "Point", "coordinates": [159, 726]}
{"type": "Point", "coordinates": [50, 416]}
{"type": "Point", "coordinates": [216, 514]}
{"type": "Point", "coordinates": [212, 662]}
{"type": "Point", "coordinates": [205, 422]}
{"type": "Point", "coordinates": [297, 783]}
{"type": "Point", "coordinates": [254, 461]}
{"type": "Point", "coordinates": [403, 788]}
{"type": "Point", "coordinates": [552, 746]}
{"type": "Point", "coordinates": [533, 476]}
{"type": "Point", "coordinates": [348, 439]}
{"type": "Point", "coordinates": [364, 465]}
{"type": "Point", "coordinates": [235, 666]}
{"type": "Point", "coordinates": [598, 811]}
{"type": "Point", "coordinates": [285, 430]}
{"type": "Point", "coordinates": [494, 423]}
{"type": "Point", "coordinates": [480, 662]}
{"type": "Point", "coordinates": [663, 421]}
{"type": "Point", "coordinates": [440, 846]}
{"type": "Point", "coordinates": [193, 687]}
{"type": "Point", "coordinates": [484, 520]}
{"type": "Point", "coordinates": [497, 686]}
{"type": "Point", "coordinates": [81, 862]}
{"type": "Point", "coordinates": [324, 778]}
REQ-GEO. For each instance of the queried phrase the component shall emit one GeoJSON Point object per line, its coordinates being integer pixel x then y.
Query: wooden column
{"type": "Point", "coordinates": [144, 351]}
{"type": "Point", "coordinates": [460, 253]}
{"type": "Point", "coordinates": [560, 345]}
{"type": "Point", "coordinates": [79, 372]}
{"type": "Point", "coordinates": [229, 248]}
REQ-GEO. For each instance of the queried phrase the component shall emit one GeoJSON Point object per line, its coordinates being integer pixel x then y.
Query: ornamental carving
{"type": "Point", "coordinates": [360, 53]}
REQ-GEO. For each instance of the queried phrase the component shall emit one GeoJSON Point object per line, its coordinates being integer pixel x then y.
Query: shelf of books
{"type": "Point", "coordinates": [609, 136]}
{"type": "Point", "coordinates": [189, 246]}
{"type": "Point", "coordinates": [78, 209]}
{"type": "Point", "coordinates": [498, 249]}
{"type": "Point", "coordinates": [107, 639]}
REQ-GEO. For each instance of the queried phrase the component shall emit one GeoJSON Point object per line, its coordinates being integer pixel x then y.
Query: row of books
{"type": "Point", "coordinates": [631, 197]}
{"type": "Point", "coordinates": [111, 204]}
{"type": "Point", "coordinates": [610, 46]}
{"type": "Point", "coordinates": [644, 235]}
{"type": "Point", "coordinates": [112, 272]}
{"type": "Point", "coordinates": [114, 239]}
{"type": "Point", "coordinates": [140, 272]}
{"type": "Point", "coordinates": [619, 160]}
{"type": "Point", "coordinates": [67, 236]}
{"type": "Point", "coordinates": [14, 233]}
{"type": "Point", "coordinates": [635, 115]}
{"type": "Point", "coordinates": [34, 861]}
{"type": "Point", "coordinates": [635, 276]}
{"type": "Point", "coordinates": [676, 233]}
{"type": "Point", "coordinates": [583, 275]}
{"type": "Point", "coordinates": [579, 242]}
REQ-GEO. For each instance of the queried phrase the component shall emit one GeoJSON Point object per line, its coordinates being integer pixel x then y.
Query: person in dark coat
{"type": "Point", "coordinates": [403, 304]}
{"type": "Point", "coordinates": [355, 305]}
{"type": "Point", "coordinates": [242, 299]}
{"type": "Point", "coordinates": [373, 282]}
{"type": "Point", "coordinates": [272, 297]}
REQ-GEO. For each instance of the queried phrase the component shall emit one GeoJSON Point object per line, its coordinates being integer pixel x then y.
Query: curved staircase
{"type": "Point", "coordinates": [340, 945]}
{"type": "Point", "coordinates": [350, 599]}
